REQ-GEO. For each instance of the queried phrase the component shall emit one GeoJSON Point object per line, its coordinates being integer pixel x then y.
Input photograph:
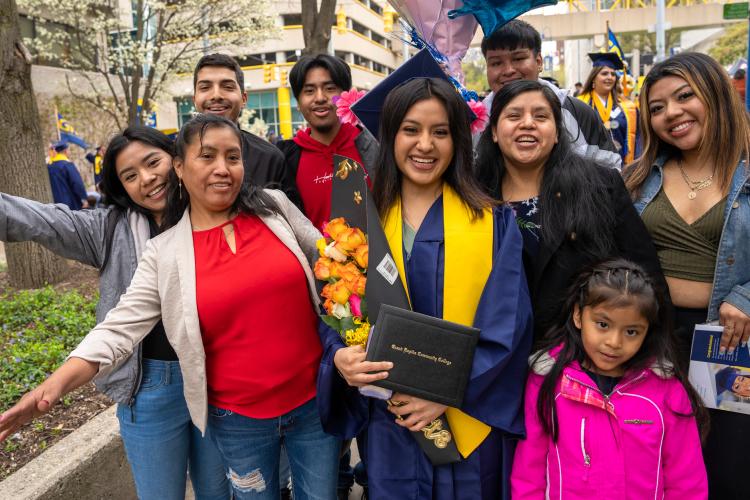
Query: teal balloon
{"type": "Point", "coordinates": [493, 14]}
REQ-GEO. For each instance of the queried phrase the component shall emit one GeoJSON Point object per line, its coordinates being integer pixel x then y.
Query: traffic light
{"type": "Point", "coordinates": [283, 77]}
{"type": "Point", "coordinates": [388, 15]}
{"type": "Point", "coordinates": [267, 73]}
{"type": "Point", "coordinates": [341, 21]}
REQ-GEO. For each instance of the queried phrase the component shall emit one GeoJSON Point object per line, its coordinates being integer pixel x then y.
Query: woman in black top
{"type": "Point", "coordinates": [572, 213]}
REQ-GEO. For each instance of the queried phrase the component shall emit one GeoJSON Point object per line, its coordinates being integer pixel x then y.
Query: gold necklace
{"type": "Point", "coordinates": [694, 186]}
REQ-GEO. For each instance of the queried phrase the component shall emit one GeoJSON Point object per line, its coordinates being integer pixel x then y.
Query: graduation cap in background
{"type": "Point", "coordinates": [608, 59]}
{"type": "Point", "coordinates": [421, 65]}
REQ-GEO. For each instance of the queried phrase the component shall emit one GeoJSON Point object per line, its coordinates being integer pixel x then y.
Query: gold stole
{"type": "Point", "coordinates": [593, 100]}
{"type": "Point", "coordinates": [468, 263]}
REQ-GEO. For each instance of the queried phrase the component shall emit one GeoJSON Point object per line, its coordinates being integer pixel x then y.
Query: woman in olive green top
{"type": "Point", "coordinates": [692, 188]}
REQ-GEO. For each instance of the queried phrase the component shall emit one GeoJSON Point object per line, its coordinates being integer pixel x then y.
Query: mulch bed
{"type": "Point", "coordinates": [78, 407]}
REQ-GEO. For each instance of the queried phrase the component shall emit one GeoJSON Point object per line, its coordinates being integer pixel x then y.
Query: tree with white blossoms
{"type": "Point", "coordinates": [122, 60]}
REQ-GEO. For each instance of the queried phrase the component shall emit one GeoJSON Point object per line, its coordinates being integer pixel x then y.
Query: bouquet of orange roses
{"type": "Point", "coordinates": [343, 266]}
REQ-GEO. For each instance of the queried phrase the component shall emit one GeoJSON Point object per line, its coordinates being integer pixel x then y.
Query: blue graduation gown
{"type": "Point", "coordinates": [397, 467]}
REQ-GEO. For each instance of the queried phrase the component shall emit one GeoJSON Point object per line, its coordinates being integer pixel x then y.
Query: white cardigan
{"type": "Point", "coordinates": [163, 287]}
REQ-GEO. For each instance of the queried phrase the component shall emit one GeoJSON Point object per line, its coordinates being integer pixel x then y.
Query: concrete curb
{"type": "Point", "coordinates": [88, 464]}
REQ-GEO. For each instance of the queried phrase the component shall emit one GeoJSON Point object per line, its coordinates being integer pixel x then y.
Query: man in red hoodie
{"type": "Point", "coordinates": [315, 81]}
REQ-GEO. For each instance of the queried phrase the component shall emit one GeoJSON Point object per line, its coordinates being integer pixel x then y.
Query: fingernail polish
{"type": "Point", "coordinates": [722, 350]}
{"type": "Point", "coordinates": [731, 351]}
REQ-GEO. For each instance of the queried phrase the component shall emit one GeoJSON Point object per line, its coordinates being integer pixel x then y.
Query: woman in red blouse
{"type": "Point", "coordinates": [233, 287]}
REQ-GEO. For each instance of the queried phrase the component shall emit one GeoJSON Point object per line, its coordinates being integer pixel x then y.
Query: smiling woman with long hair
{"type": "Point", "coordinates": [603, 92]}
{"type": "Point", "coordinates": [220, 280]}
{"type": "Point", "coordinates": [161, 442]}
{"type": "Point", "coordinates": [571, 211]}
{"type": "Point", "coordinates": [692, 189]}
{"type": "Point", "coordinates": [459, 258]}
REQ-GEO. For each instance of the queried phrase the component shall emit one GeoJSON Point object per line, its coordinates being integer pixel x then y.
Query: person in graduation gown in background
{"type": "Point", "coordinates": [600, 92]}
{"type": "Point", "coordinates": [460, 259]}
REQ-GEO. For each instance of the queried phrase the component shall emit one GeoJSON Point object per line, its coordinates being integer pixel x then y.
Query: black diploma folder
{"type": "Point", "coordinates": [431, 357]}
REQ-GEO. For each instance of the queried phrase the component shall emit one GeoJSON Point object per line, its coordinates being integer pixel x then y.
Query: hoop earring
{"type": "Point", "coordinates": [179, 188]}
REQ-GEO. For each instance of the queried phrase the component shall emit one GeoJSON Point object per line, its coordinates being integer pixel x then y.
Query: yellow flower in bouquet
{"type": "Point", "coordinates": [349, 240]}
{"type": "Point", "coordinates": [339, 292]}
{"type": "Point", "coordinates": [356, 285]}
{"type": "Point", "coordinates": [348, 271]}
{"type": "Point", "coordinates": [358, 335]}
{"type": "Point", "coordinates": [361, 255]}
{"type": "Point", "coordinates": [322, 269]}
{"type": "Point", "coordinates": [335, 227]}
{"type": "Point", "coordinates": [344, 254]}
{"type": "Point", "coordinates": [321, 245]}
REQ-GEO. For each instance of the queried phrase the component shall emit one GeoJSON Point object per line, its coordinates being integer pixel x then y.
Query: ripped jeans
{"type": "Point", "coordinates": [250, 448]}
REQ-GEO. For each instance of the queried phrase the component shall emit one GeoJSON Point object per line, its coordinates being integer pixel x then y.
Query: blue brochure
{"type": "Point", "coordinates": [722, 380]}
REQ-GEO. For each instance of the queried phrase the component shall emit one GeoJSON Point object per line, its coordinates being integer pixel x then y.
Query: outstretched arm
{"type": "Point", "coordinates": [107, 344]}
{"type": "Point", "coordinates": [74, 234]}
{"type": "Point", "coordinates": [72, 374]}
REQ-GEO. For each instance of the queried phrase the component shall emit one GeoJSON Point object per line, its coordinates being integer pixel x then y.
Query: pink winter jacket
{"type": "Point", "coordinates": [631, 445]}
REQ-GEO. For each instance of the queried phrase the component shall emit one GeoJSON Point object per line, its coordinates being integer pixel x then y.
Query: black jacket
{"type": "Point", "coordinates": [559, 262]}
{"type": "Point", "coordinates": [366, 144]}
{"type": "Point", "coordinates": [264, 166]}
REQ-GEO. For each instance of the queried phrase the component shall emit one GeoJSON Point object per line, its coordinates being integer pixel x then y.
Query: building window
{"type": "Point", "coordinates": [291, 19]}
{"type": "Point", "coordinates": [362, 30]}
{"type": "Point", "coordinates": [257, 59]}
{"type": "Point", "coordinates": [342, 55]}
{"type": "Point", "coordinates": [378, 39]}
{"type": "Point", "coordinates": [291, 56]}
{"type": "Point", "coordinates": [185, 111]}
{"type": "Point", "coordinates": [265, 106]}
{"type": "Point", "coordinates": [380, 68]}
{"type": "Point", "coordinates": [376, 8]}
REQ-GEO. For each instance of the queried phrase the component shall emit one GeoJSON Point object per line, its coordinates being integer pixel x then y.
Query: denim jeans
{"type": "Point", "coordinates": [162, 444]}
{"type": "Point", "coordinates": [251, 447]}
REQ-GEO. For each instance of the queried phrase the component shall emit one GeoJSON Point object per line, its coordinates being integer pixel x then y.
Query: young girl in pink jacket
{"type": "Point", "coordinates": [607, 415]}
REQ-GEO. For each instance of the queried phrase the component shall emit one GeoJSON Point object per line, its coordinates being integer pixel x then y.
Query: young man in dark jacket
{"type": "Point", "coordinates": [315, 81]}
{"type": "Point", "coordinates": [219, 88]}
{"type": "Point", "coordinates": [513, 52]}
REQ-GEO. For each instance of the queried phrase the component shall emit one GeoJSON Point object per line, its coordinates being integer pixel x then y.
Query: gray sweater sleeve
{"type": "Point", "coordinates": [74, 234]}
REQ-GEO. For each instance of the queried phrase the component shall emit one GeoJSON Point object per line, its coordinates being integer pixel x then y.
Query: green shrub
{"type": "Point", "coordinates": [38, 328]}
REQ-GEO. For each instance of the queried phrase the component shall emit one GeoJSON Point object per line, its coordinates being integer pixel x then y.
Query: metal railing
{"type": "Point", "coordinates": [607, 5]}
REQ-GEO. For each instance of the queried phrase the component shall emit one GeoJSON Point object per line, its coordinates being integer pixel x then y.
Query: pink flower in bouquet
{"type": "Point", "coordinates": [482, 117]}
{"type": "Point", "coordinates": [344, 103]}
{"type": "Point", "coordinates": [355, 304]}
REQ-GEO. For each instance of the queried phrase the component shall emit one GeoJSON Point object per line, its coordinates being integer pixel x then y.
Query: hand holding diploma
{"type": "Point", "coordinates": [351, 364]}
{"type": "Point", "coordinates": [417, 412]}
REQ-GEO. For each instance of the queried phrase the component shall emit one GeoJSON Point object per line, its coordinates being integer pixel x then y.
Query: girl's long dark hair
{"type": "Point", "coordinates": [573, 198]}
{"type": "Point", "coordinates": [616, 283]}
{"type": "Point", "coordinates": [251, 199]}
{"type": "Point", "coordinates": [459, 174]}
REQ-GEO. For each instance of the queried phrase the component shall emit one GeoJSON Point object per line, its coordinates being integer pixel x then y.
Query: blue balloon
{"type": "Point", "coordinates": [493, 14]}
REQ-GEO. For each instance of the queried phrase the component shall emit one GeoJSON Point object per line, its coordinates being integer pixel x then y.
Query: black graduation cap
{"type": "Point", "coordinates": [421, 65]}
{"type": "Point", "coordinates": [608, 59]}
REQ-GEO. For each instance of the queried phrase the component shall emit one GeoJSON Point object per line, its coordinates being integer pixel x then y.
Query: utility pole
{"type": "Point", "coordinates": [660, 52]}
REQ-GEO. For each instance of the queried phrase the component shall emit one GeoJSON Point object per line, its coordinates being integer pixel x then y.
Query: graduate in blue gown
{"type": "Point", "coordinates": [460, 259]}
